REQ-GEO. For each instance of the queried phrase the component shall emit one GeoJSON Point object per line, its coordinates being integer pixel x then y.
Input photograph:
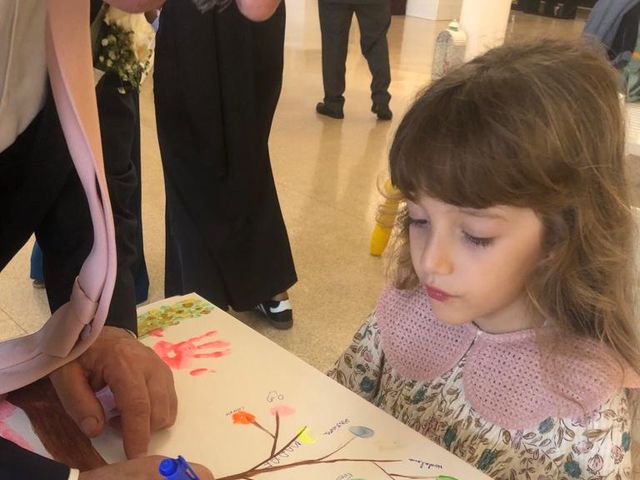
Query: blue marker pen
{"type": "Point", "coordinates": [176, 469]}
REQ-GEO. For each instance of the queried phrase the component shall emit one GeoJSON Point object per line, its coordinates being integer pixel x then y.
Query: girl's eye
{"type": "Point", "coordinates": [418, 222]}
{"type": "Point", "coordinates": [478, 241]}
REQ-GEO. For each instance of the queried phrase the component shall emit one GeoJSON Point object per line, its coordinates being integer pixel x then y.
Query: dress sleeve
{"type": "Point", "coordinates": [601, 447]}
{"type": "Point", "coordinates": [359, 368]}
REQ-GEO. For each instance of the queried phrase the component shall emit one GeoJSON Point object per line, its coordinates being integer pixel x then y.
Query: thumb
{"type": "Point", "coordinates": [78, 398]}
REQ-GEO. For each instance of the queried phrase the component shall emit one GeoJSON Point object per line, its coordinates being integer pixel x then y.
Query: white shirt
{"type": "Point", "coordinates": [23, 71]}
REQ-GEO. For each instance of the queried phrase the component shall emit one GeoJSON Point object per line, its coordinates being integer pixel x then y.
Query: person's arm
{"type": "Point", "coordinates": [136, 6]}
{"type": "Point", "coordinates": [594, 445]}
{"type": "Point", "coordinates": [601, 445]}
{"type": "Point", "coordinates": [359, 368]}
{"type": "Point", "coordinates": [140, 469]}
{"type": "Point", "coordinates": [257, 10]}
{"type": "Point", "coordinates": [18, 463]}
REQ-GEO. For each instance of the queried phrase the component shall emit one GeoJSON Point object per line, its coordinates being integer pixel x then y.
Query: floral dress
{"type": "Point", "coordinates": [593, 447]}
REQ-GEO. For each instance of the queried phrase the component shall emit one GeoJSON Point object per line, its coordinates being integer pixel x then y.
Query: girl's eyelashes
{"type": "Point", "coordinates": [478, 241]}
{"type": "Point", "coordinates": [482, 242]}
{"type": "Point", "coordinates": [418, 222]}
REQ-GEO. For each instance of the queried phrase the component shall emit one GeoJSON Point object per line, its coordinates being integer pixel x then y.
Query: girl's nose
{"type": "Point", "coordinates": [436, 257]}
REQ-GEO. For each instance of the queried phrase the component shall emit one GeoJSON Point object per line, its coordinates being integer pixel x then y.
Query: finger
{"type": "Point", "coordinates": [78, 399]}
{"type": "Point", "coordinates": [151, 463]}
{"type": "Point", "coordinates": [132, 398]}
{"type": "Point", "coordinates": [161, 386]}
{"type": "Point", "coordinates": [160, 415]}
{"type": "Point", "coordinates": [173, 399]}
{"type": "Point", "coordinates": [203, 472]}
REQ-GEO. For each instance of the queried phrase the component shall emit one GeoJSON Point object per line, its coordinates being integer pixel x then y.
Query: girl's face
{"type": "Point", "coordinates": [473, 263]}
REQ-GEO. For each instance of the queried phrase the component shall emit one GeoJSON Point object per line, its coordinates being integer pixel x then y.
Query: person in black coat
{"type": "Point", "coordinates": [40, 192]}
{"type": "Point", "coordinates": [374, 18]}
{"type": "Point", "coordinates": [217, 82]}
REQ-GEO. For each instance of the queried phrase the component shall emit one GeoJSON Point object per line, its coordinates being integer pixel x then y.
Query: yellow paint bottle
{"type": "Point", "coordinates": [385, 219]}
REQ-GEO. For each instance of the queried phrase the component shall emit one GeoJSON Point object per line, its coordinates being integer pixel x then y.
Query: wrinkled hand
{"type": "Point", "coordinates": [141, 383]}
{"type": "Point", "coordinates": [136, 6]}
{"type": "Point", "coordinates": [145, 468]}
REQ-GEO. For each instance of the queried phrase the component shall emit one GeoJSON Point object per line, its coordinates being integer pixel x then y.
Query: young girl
{"type": "Point", "coordinates": [508, 336]}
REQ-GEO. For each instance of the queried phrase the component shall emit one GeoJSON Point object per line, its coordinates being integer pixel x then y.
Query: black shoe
{"type": "Point", "coordinates": [278, 312]}
{"type": "Point", "coordinates": [323, 109]}
{"type": "Point", "coordinates": [382, 111]}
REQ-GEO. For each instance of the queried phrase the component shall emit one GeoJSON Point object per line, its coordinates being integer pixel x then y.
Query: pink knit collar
{"type": "Point", "coordinates": [505, 378]}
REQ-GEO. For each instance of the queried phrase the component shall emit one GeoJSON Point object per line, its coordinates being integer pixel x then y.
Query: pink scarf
{"type": "Point", "coordinates": [75, 325]}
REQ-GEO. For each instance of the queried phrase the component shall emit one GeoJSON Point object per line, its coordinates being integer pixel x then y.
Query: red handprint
{"type": "Point", "coordinates": [180, 355]}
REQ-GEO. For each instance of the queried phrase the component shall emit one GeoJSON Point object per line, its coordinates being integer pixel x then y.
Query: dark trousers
{"type": "Point", "coordinates": [217, 80]}
{"type": "Point", "coordinates": [568, 9]}
{"type": "Point", "coordinates": [335, 21]}
{"type": "Point", "coordinates": [120, 129]}
{"type": "Point", "coordinates": [40, 193]}
{"type": "Point", "coordinates": [119, 116]}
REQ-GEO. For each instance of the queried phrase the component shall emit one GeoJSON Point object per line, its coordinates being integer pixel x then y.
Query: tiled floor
{"type": "Point", "coordinates": [326, 172]}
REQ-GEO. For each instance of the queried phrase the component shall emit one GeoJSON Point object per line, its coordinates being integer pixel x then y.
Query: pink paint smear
{"type": "Point", "coordinates": [180, 355]}
{"type": "Point", "coordinates": [6, 411]}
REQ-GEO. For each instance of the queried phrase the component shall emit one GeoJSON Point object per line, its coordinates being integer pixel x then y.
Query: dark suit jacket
{"type": "Point", "coordinates": [19, 464]}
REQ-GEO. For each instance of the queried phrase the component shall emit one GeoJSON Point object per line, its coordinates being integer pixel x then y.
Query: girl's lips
{"type": "Point", "coordinates": [437, 294]}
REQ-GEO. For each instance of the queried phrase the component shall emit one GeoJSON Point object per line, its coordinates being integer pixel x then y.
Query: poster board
{"type": "Point", "coordinates": [250, 409]}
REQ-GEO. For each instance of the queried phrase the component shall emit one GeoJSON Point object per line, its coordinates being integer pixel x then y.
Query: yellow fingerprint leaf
{"type": "Point", "coordinates": [305, 436]}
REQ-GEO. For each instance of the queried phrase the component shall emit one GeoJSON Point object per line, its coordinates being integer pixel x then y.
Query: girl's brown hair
{"type": "Point", "coordinates": [539, 126]}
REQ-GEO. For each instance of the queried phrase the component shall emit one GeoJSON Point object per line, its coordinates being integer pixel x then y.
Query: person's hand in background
{"type": "Point", "coordinates": [136, 6]}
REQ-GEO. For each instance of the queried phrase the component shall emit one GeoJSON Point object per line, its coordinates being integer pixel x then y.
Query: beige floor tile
{"type": "Point", "coordinates": [9, 328]}
{"type": "Point", "coordinates": [19, 301]}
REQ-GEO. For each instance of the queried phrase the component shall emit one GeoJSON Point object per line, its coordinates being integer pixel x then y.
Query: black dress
{"type": "Point", "coordinates": [217, 82]}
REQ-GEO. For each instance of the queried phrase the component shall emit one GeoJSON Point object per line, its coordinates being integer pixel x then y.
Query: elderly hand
{"type": "Point", "coordinates": [141, 383]}
{"type": "Point", "coordinates": [140, 469]}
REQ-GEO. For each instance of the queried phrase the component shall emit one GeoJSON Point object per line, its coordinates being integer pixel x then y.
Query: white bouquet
{"type": "Point", "coordinates": [124, 45]}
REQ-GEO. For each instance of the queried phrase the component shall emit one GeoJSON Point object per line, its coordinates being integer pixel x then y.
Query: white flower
{"type": "Point", "coordinates": [109, 63]}
{"type": "Point", "coordinates": [142, 33]}
{"type": "Point", "coordinates": [104, 42]}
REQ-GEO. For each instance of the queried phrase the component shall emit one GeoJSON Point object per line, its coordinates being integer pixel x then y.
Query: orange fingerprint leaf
{"type": "Point", "coordinates": [243, 418]}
